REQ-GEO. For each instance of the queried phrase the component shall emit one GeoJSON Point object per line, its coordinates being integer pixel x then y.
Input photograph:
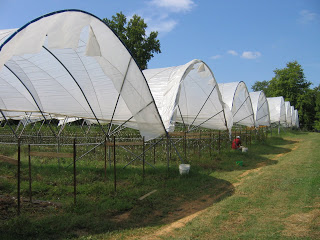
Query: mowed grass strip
{"type": "Point", "coordinates": [278, 201]}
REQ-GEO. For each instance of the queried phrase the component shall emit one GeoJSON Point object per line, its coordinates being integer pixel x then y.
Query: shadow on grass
{"type": "Point", "coordinates": [100, 211]}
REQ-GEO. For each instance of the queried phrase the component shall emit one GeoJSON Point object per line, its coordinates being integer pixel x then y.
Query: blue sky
{"type": "Point", "coordinates": [240, 40]}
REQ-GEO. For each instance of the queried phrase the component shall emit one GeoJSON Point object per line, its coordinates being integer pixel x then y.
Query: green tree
{"type": "Point", "coordinates": [290, 82]}
{"type": "Point", "coordinates": [261, 86]}
{"type": "Point", "coordinates": [133, 35]}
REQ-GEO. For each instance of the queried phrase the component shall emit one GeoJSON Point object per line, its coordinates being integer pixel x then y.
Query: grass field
{"type": "Point", "coordinates": [274, 195]}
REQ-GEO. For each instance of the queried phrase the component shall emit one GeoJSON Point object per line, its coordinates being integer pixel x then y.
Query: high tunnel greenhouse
{"type": "Point", "coordinates": [260, 108]}
{"type": "Point", "coordinates": [237, 98]}
{"type": "Point", "coordinates": [69, 65]}
{"type": "Point", "coordinates": [60, 65]}
{"type": "Point", "coordinates": [189, 94]}
{"type": "Point", "coordinates": [277, 110]}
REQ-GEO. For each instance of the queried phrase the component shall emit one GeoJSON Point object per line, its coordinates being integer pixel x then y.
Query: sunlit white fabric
{"type": "Point", "coordinates": [188, 94]}
{"type": "Point", "coordinates": [277, 110]}
{"type": "Point", "coordinates": [70, 63]}
{"type": "Point", "coordinates": [236, 96]}
{"type": "Point", "coordinates": [260, 108]}
{"type": "Point", "coordinates": [288, 113]}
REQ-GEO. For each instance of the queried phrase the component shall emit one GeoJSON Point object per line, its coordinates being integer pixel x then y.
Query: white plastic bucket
{"type": "Point", "coordinates": [244, 149]}
{"type": "Point", "coordinates": [184, 168]}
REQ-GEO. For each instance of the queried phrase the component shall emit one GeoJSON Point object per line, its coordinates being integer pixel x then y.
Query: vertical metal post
{"type": "Point", "coordinates": [154, 153]}
{"type": "Point", "coordinates": [210, 142]}
{"type": "Point", "coordinates": [143, 159]}
{"type": "Point", "coordinates": [105, 160]}
{"type": "Point", "coordinates": [30, 180]}
{"type": "Point", "coordinates": [168, 152]}
{"type": "Point", "coordinates": [219, 139]}
{"type": "Point", "coordinates": [185, 145]}
{"type": "Point", "coordinates": [19, 165]}
{"type": "Point", "coordinates": [74, 172]}
{"type": "Point", "coordinates": [114, 164]}
{"type": "Point", "coordinates": [199, 144]}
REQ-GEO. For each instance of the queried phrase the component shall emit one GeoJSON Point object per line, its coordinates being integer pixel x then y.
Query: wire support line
{"type": "Point", "coordinates": [196, 127]}
{"type": "Point", "coordinates": [243, 118]}
{"type": "Point", "coordinates": [85, 97]}
{"type": "Point", "coordinates": [115, 107]}
{"type": "Point", "coordinates": [30, 95]}
{"type": "Point", "coordinates": [241, 105]}
{"type": "Point", "coordinates": [203, 105]}
{"type": "Point", "coordinates": [151, 145]}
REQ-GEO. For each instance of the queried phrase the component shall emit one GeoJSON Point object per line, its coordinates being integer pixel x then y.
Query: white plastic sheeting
{"type": "Point", "coordinates": [188, 94]}
{"type": "Point", "coordinates": [288, 113]}
{"type": "Point", "coordinates": [260, 108]}
{"type": "Point", "coordinates": [277, 110]}
{"type": "Point", "coordinates": [69, 63]}
{"type": "Point", "coordinates": [237, 97]}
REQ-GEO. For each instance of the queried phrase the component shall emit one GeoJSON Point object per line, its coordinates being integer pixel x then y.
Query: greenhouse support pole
{"type": "Point", "coordinates": [211, 142]}
{"type": "Point", "coordinates": [185, 145]}
{"type": "Point", "coordinates": [199, 145]}
{"type": "Point", "coordinates": [168, 153]}
{"type": "Point", "coordinates": [154, 154]}
{"type": "Point", "coordinates": [30, 179]}
{"type": "Point", "coordinates": [143, 159]}
{"type": "Point", "coordinates": [114, 164]}
{"type": "Point", "coordinates": [219, 141]}
{"type": "Point", "coordinates": [74, 172]}
{"type": "Point", "coordinates": [105, 160]}
{"type": "Point", "coordinates": [19, 171]}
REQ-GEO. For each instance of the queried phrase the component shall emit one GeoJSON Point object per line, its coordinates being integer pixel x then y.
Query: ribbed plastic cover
{"type": "Point", "coordinates": [236, 96]}
{"type": "Point", "coordinates": [70, 63]}
{"type": "Point", "coordinates": [277, 110]}
{"type": "Point", "coordinates": [188, 94]}
{"type": "Point", "coordinates": [260, 108]}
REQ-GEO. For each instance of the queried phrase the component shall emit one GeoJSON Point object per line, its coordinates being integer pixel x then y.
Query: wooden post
{"type": "Point", "coordinates": [30, 180]}
{"type": "Point", "coordinates": [19, 165]}
{"type": "Point", "coordinates": [74, 172]}
{"type": "Point", "coordinates": [114, 164]}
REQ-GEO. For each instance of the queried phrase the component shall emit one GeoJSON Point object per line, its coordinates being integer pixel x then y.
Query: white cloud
{"type": "Point", "coordinates": [232, 52]}
{"type": "Point", "coordinates": [163, 26]}
{"type": "Point", "coordinates": [307, 16]}
{"type": "Point", "coordinates": [174, 5]}
{"type": "Point", "coordinates": [216, 57]}
{"type": "Point", "coordinates": [250, 55]}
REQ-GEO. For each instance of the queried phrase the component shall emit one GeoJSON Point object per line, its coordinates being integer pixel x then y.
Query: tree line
{"type": "Point", "coordinates": [290, 82]}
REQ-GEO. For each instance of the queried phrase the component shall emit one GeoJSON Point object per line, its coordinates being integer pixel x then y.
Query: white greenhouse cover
{"type": "Point", "coordinates": [237, 97]}
{"type": "Point", "coordinates": [288, 113]}
{"type": "Point", "coordinates": [277, 110]}
{"type": "Point", "coordinates": [188, 94]}
{"type": "Point", "coordinates": [69, 63]}
{"type": "Point", "coordinates": [292, 116]}
{"type": "Point", "coordinates": [260, 108]}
